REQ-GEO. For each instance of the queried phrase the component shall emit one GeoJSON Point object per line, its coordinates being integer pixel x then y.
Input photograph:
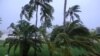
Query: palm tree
{"type": "Point", "coordinates": [46, 12]}
{"type": "Point", "coordinates": [75, 36]}
{"type": "Point", "coordinates": [33, 5]}
{"type": "Point", "coordinates": [22, 36]}
{"type": "Point", "coordinates": [46, 17]}
{"type": "Point", "coordinates": [72, 12]}
{"type": "Point", "coordinates": [69, 27]}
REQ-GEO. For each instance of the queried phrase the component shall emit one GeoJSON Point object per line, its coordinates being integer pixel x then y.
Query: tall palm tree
{"type": "Point", "coordinates": [71, 11]}
{"type": "Point", "coordinates": [46, 23]}
{"type": "Point", "coordinates": [22, 36]}
{"type": "Point", "coordinates": [46, 11]}
{"type": "Point", "coordinates": [65, 5]}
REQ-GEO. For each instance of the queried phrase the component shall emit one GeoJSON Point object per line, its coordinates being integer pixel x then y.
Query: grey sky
{"type": "Point", "coordinates": [10, 10]}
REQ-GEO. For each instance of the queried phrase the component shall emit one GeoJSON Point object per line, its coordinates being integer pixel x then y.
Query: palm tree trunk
{"type": "Point", "coordinates": [24, 48]}
{"type": "Point", "coordinates": [25, 51]}
{"type": "Point", "coordinates": [35, 49]}
{"type": "Point", "coordinates": [64, 22]}
{"type": "Point", "coordinates": [36, 15]}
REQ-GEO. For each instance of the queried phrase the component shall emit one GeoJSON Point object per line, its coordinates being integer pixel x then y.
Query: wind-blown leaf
{"type": "Point", "coordinates": [77, 16]}
{"type": "Point", "coordinates": [80, 31]}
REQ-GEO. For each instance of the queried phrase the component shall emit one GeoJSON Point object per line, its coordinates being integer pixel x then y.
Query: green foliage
{"type": "Point", "coordinates": [28, 9]}
{"type": "Point", "coordinates": [2, 50]}
{"type": "Point", "coordinates": [76, 36]}
{"type": "Point", "coordinates": [46, 15]}
{"type": "Point", "coordinates": [67, 40]}
{"type": "Point", "coordinates": [22, 36]}
{"type": "Point", "coordinates": [71, 28]}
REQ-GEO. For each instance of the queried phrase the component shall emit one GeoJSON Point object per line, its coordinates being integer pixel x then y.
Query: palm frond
{"type": "Point", "coordinates": [77, 16]}
{"type": "Point", "coordinates": [27, 11]}
{"type": "Point", "coordinates": [11, 42]}
{"type": "Point", "coordinates": [80, 31]}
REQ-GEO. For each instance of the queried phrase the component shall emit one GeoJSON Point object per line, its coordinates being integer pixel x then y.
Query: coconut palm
{"type": "Point", "coordinates": [75, 36]}
{"type": "Point", "coordinates": [46, 17]}
{"type": "Point", "coordinates": [70, 27]}
{"type": "Point", "coordinates": [46, 12]}
{"type": "Point", "coordinates": [23, 36]}
{"type": "Point", "coordinates": [72, 12]}
{"type": "Point", "coordinates": [32, 7]}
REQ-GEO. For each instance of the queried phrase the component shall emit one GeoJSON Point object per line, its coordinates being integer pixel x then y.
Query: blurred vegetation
{"type": "Point", "coordinates": [71, 38]}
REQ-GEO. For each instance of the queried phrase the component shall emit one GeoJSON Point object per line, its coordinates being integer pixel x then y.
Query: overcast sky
{"type": "Point", "coordinates": [10, 10]}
